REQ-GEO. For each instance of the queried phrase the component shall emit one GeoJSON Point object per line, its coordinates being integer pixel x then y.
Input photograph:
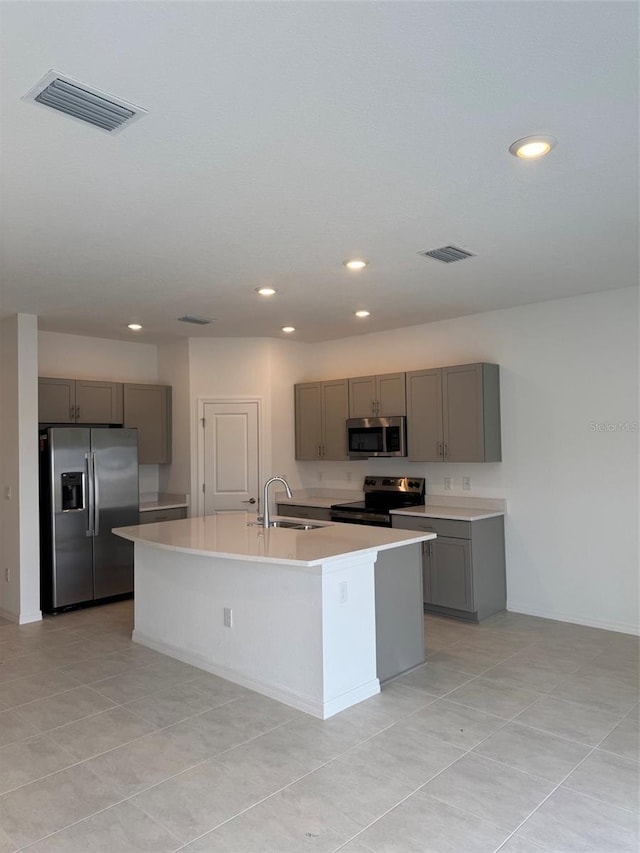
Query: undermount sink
{"type": "Point", "coordinates": [291, 525]}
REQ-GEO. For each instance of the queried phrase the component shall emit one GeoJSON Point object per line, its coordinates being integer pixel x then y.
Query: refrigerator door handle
{"type": "Point", "coordinates": [96, 496]}
{"type": "Point", "coordinates": [90, 496]}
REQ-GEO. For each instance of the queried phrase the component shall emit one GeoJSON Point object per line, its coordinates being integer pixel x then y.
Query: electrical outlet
{"type": "Point", "coordinates": [344, 593]}
{"type": "Point", "coordinates": [466, 483]}
{"type": "Point", "coordinates": [319, 476]}
{"type": "Point", "coordinates": [7, 493]}
{"type": "Point", "coordinates": [7, 574]}
{"type": "Point", "coordinates": [447, 484]}
{"type": "Point", "coordinates": [348, 476]}
{"type": "Point", "coordinates": [228, 617]}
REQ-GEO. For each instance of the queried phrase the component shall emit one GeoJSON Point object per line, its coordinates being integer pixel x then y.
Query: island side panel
{"type": "Point", "coordinates": [349, 632]}
{"type": "Point", "coordinates": [276, 643]}
{"type": "Point", "coordinates": [399, 611]}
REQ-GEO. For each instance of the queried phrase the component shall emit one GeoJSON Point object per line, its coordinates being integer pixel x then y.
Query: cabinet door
{"type": "Point", "coordinates": [308, 414]}
{"type": "Point", "coordinates": [335, 409]}
{"type": "Point", "coordinates": [148, 409]}
{"type": "Point", "coordinates": [56, 401]}
{"type": "Point", "coordinates": [451, 574]}
{"type": "Point", "coordinates": [463, 415]}
{"type": "Point", "coordinates": [362, 397]}
{"type": "Point", "coordinates": [391, 395]}
{"type": "Point", "coordinates": [424, 415]}
{"type": "Point", "coordinates": [98, 402]}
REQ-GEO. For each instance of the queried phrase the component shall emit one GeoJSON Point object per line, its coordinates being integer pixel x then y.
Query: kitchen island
{"type": "Point", "coordinates": [289, 613]}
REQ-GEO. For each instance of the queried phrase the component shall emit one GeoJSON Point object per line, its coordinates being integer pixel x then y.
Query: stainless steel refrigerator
{"type": "Point", "coordinates": [88, 485]}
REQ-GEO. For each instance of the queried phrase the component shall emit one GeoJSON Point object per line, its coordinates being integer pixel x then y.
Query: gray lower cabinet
{"type": "Point", "coordinates": [299, 511]}
{"type": "Point", "coordinates": [150, 516]}
{"type": "Point", "coordinates": [79, 401]}
{"type": "Point", "coordinates": [148, 409]}
{"type": "Point", "coordinates": [464, 571]}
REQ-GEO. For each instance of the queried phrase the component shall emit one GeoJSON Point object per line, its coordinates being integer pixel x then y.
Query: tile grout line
{"type": "Point", "coordinates": [558, 786]}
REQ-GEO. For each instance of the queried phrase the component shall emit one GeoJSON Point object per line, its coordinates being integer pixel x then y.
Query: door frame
{"type": "Point", "coordinates": [201, 402]}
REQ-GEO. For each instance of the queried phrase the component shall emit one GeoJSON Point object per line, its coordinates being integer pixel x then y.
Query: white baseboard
{"type": "Point", "coordinates": [26, 618]}
{"type": "Point", "coordinates": [621, 627]}
{"type": "Point", "coordinates": [21, 618]}
{"type": "Point", "coordinates": [322, 710]}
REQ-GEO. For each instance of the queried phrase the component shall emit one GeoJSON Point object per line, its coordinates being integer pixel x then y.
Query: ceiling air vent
{"type": "Point", "coordinates": [83, 103]}
{"type": "Point", "coordinates": [447, 254]}
{"type": "Point", "coordinates": [197, 321]}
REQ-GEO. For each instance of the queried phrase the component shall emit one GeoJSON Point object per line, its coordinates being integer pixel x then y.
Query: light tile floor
{"type": "Point", "coordinates": [518, 735]}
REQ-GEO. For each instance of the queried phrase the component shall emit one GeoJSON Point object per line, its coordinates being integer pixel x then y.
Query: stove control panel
{"type": "Point", "coordinates": [394, 484]}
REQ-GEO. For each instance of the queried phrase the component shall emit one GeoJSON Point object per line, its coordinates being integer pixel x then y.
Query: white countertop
{"type": "Point", "coordinates": [437, 506]}
{"type": "Point", "coordinates": [236, 536]}
{"type": "Point", "coordinates": [451, 512]}
{"type": "Point", "coordinates": [161, 501]}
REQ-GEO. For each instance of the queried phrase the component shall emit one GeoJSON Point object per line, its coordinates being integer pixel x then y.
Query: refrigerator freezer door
{"type": "Point", "coordinates": [115, 465]}
{"type": "Point", "coordinates": [71, 576]}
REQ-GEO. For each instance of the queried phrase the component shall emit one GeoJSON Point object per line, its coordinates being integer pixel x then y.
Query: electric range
{"type": "Point", "coordinates": [381, 495]}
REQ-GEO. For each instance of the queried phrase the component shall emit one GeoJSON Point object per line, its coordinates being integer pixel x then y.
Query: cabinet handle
{"type": "Point", "coordinates": [446, 449]}
{"type": "Point", "coordinates": [72, 413]}
{"type": "Point", "coordinates": [77, 413]}
{"type": "Point", "coordinates": [440, 453]}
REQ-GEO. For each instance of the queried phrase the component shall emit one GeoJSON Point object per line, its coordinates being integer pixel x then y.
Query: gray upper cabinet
{"type": "Point", "coordinates": [424, 415]}
{"type": "Point", "coordinates": [454, 414]}
{"type": "Point", "coordinates": [79, 401]}
{"type": "Point", "coordinates": [148, 409]}
{"type": "Point", "coordinates": [377, 396]}
{"type": "Point", "coordinates": [56, 401]}
{"type": "Point", "coordinates": [321, 411]}
{"type": "Point", "coordinates": [98, 402]}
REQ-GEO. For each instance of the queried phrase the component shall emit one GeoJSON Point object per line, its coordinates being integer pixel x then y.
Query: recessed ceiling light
{"type": "Point", "coordinates": [356, 264]}
{"type": "Point", "coordinates": [135, 327]}
{"type": "Point", "coordinates": [265, 291]}
{"type": "Point", "coordinates": [288, 329]}
{"type": "Point", "coordinates": [532, 147]}
{"type": "Point", "coordinates": [363, 313]}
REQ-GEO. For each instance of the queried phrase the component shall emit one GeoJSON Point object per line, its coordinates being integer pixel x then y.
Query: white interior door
{"type": "Point", "coordinates": [230, 459]}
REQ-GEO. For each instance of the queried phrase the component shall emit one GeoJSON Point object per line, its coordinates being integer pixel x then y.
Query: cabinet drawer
{"type": "Point", "coordinates": [440, 526]}
{"type": "Point", "coordinates": [153, 515]}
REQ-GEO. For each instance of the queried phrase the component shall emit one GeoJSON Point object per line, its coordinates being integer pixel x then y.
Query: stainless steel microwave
{"type": "Point", "coordinates": [376, 437]}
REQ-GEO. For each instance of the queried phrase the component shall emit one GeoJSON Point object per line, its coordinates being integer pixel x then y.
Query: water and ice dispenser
{"type": "Point", "coordinates": [72, 484]}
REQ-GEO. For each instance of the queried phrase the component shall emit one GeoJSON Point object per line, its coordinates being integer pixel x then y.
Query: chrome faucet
{"type": "Point", "coordinates": [265, 497]}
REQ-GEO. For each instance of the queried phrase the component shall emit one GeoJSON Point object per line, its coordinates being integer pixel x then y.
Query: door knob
{"type": "Point", "coordinates": [250, 501]}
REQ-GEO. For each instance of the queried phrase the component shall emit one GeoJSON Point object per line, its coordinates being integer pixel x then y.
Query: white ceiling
{"type": "Point", "coordinates": [283, 138]}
